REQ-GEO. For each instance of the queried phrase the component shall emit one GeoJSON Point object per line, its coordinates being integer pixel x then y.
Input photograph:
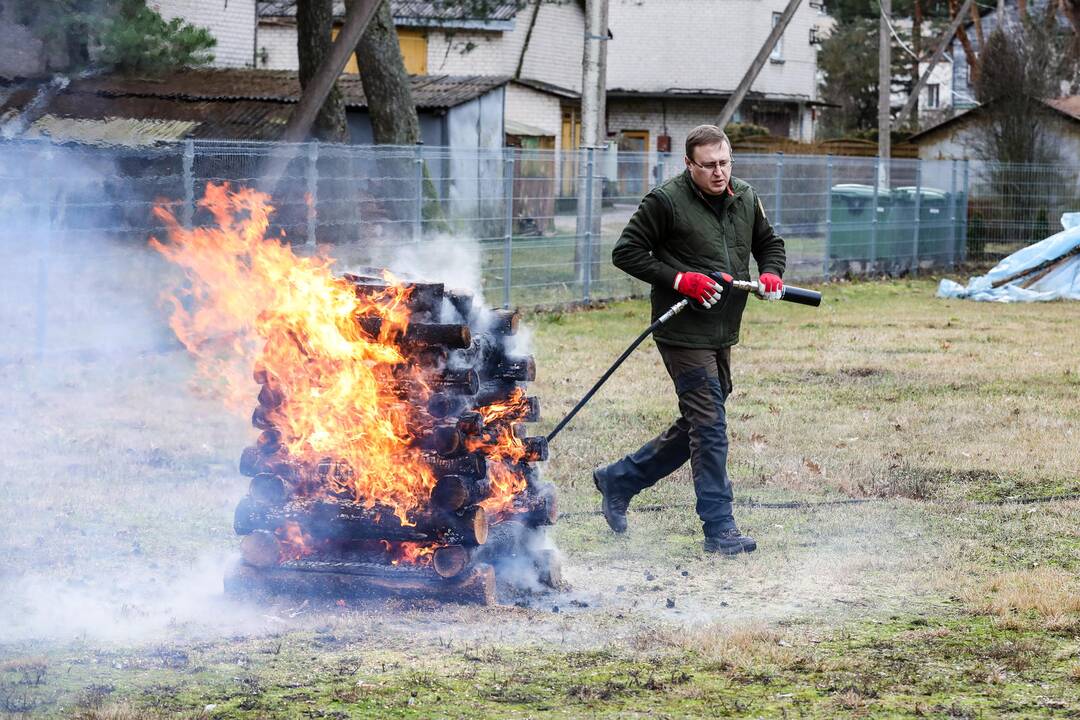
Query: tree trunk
{"type": "Point", "coordinates": [386, 84]}
{"type": "Point", "coordinates": [965, 42]}
{"type": "Point", "coordinates": [314, 23]}
{"type": "Point", "coordinates": [976, 18]}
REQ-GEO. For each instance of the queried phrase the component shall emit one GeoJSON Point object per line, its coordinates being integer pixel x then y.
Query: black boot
{"type": "Point", "coordinates": [729, 542]}
{"type": "Point", "coordinates": [614, 504]}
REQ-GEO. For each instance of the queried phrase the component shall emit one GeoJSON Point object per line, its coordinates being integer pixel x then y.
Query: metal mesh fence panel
{"type": "Point", "coordinates": [531, 227]}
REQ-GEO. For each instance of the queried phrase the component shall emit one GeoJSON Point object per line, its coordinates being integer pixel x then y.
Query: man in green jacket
{"type": "Point", "coordinates": [703, 221]}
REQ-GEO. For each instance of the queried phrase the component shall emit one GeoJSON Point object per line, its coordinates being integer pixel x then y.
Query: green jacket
{"type": "Point", "coordinates": [674, 230]}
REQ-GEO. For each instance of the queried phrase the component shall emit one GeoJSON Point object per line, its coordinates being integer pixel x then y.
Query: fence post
{"type": "Point", "coordinates": [44, 251]}
{"type": "Point", "coordinates": [872, 261]}
{"type": "Point", "coordinates": [777, 222]}
{"type": "Point", "coordinates": [590, 175]}
{"type": "Point", "coordinates": [828, 215]}
{"type": "Point", "coordinates": [952, 216]}
{"type": "Point", "coordinates": [918, 217]}
{"type": "Point", "coordinates": [418, 217]}
{"type": "Point", "coordinates": [187, 214]}
{"type": "Point", "coordinates": [312, 190]}
{"type": "Point", "coordinates": [508, 228]}
{"type": "Point", "coordinates": [964, 216]}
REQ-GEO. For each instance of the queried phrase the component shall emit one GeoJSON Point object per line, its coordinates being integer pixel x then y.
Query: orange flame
{"type": "Point", "coordinates": [251, 302]}
{"type": "Point", "coordinates": [294, 543]}
{"type": "Point", "coordinates": [513, 408]}
{"type": "Point", "coordinates": [410, 553]}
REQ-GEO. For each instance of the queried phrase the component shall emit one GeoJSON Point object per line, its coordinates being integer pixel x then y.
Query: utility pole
{"type": "Point", "coordinates": [884, 91]}
{"type": "Point", "coordinates": [593, 132]}
{"type": "Point", "coordinates": [755, 67]}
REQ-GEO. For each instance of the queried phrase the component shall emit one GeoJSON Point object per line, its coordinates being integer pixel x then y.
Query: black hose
{"type": "Point", "coordinates": [603, 378]}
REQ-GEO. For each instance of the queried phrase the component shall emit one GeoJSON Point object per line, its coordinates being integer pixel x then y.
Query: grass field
{"type": "Point", "coordinates": [908, 466]}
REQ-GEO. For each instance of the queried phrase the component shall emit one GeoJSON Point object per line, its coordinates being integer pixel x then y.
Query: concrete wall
{"type": "Point", "coordinates": [532, 107]}
{"type": "Point", "coordinates": [693, 44]}
{"type": "Point", "coordinates": [277, 47]}
{"type": "Point", "coordinates": [553, 55]}
{"type": "Point", "coordinates": [957, 142]}
{"type": "Point", "coordinates": [231, 22]}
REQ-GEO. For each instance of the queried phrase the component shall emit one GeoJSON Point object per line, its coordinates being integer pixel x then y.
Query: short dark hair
{"type": "Point", "coordinates": [705, 135]}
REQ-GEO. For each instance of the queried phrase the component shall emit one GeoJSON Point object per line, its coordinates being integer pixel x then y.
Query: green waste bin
{"type": "Point", "coordinates": [856, 241]}
{"type": "Point", "coordinates": [935, 230]}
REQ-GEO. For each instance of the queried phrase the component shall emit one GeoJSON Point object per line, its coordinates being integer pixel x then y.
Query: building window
{"type": "Point", "coordinates": [778, 51]}
{"type": "Point", "coordinates": [413, 44]}
{"type": "Point", "coordinates": [933, 95]}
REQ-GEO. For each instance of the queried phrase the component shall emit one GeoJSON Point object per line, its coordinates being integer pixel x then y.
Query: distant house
{"type": "Point", "coordinates": [956, 137]}
{"type": "Point", "coordinates": [963, 87]}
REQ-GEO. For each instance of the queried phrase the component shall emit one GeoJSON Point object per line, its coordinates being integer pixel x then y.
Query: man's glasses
{"type": "Point", "coordinates": [711, 167]}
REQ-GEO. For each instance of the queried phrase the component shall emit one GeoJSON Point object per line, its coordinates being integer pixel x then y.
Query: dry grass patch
{"type": "Point", "coordinates": [740, 649]}
{"type": "Point", "coordinates": [1046, 598]}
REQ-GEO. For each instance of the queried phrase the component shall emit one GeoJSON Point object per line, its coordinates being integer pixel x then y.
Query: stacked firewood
{"type": "Point", "coordinates": [299, 534]}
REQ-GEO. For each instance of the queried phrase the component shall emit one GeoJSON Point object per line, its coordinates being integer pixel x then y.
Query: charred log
{"type": "Point", "coordinates": [503, 322]}
{"type": "Point", "coordinates": [335, 580]}
{"type": "Point", "coordinates": [442, 405]}
{"type": "Point", "coordinates": [459, 382]}
{"type": "Point", "coordinates": [261, 419]}
{"type": "Point", "coordinates": [523, 368]}
{"type": "Point", "coordinates": [422, 297]}
{"type": "Point", "coordinates": [453, 492]}
{"type": "Point", "coordinates": [344, 521]}
{"type": "Point", "coordinates": [450, 560]}
{"type": "Point", "coordinates": [260, 549]}
{"type": "Point", "coordinates": [270, 397]}
{"type": "Point", "coordinates": [269, 489]}
{"type": "Point", "coordinates": [471, 465]}
{"type": "Point", "coordinates": [494, 391]}
{"type": "Point", "coordinates": [462, 302]}
{"type": "Point", "coordinates": [268, 442]}
{"type": "Point", "coordinates": [536, 449]}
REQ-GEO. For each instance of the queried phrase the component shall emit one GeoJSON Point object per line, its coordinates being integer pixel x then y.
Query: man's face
{"type": "Point", "coordinates": [710, 168]}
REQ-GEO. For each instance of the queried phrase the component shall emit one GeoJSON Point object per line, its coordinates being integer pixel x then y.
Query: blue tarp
{"type": "Point", "coordinates": [1061, 283]}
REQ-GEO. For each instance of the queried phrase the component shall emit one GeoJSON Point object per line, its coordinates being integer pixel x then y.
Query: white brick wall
{"type": "Point", "coordinates": [231, 22]}
{"type": "Point", "coordinates": [553, 56]}
{"type": "Point", "coordinates": [277, 47]}
{"type": "Point", "coordinates": [691, 44]}
{"type": "Point", "coordinates": [531, 107]}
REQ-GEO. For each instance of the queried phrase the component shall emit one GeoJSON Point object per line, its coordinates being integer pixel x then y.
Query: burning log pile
{"type": "Point", "coordinates": [332, 522]}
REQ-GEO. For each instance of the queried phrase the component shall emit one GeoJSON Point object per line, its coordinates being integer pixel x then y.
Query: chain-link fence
{"type": "Point", "coordinates": [535, 226]}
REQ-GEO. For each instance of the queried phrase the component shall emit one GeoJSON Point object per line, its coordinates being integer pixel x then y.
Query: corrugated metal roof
{"type": "Point", "coordinates": [434, 11]}
{"type": "Point", "coordinates": [234, 104]}
{"type": "Point", "coordinates": [110, 131]}
{"type": "Point", "coordinates": [430, 92]}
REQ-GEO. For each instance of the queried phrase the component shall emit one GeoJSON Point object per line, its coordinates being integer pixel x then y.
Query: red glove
{"type": "Point", "coordinates": [699, 287]}
{"type": "Point", "coordinates": [770, 287]}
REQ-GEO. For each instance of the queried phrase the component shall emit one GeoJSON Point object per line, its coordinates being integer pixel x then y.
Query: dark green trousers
{"type": "Point", "coordinates": [702, 382]}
